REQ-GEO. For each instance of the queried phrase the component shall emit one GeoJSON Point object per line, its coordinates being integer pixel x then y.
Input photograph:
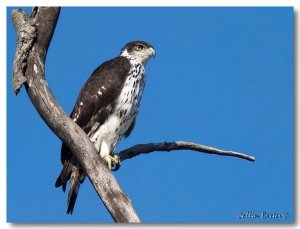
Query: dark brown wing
{"type": "Point", "coordinates": [96, 98]}
{"type": "Point", "coordinates": [94, 105]}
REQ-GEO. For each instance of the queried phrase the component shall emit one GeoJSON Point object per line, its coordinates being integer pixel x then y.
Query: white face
{"type": "Point", "coordinates": [140, 52]}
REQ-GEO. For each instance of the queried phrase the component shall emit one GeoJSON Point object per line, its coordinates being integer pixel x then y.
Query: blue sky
{"type": "Point", "coordinates": [222, 77]}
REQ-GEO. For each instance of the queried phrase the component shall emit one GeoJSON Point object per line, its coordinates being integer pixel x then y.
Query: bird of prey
{"type": "Point", "coordinates": [106, 110]}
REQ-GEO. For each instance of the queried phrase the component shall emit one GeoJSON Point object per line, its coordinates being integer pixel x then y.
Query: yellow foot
{"type": "Point", "coordinates": [113, 161]}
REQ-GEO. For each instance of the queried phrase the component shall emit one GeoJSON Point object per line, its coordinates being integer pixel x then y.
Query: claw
{"type": "Point", "coordinates": [113, 161]}
{"type": "Point", "coordinates": [116, 162]}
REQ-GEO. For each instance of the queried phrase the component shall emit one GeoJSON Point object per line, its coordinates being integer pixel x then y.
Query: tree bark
{"type": "Point", "coordinates": [34, 35]}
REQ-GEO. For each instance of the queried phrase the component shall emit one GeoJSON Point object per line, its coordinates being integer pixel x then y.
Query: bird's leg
{"type": "Point", "coordinates": [113, 161]}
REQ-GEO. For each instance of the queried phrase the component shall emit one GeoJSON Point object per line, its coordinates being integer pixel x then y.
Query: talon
{"type": "Point", "coordinates": [116, 162]}
{"type": "Point", "coordinates": [113, 162]}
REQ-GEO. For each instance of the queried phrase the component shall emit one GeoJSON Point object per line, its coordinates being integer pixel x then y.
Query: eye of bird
{"type": "Point", "coordinates": [139, 47]}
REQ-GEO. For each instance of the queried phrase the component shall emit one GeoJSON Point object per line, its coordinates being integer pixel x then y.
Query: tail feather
{"type": "Point", "coordinates": [64, 176]}
{"type": "Point", "coordinates": [71, 171]}
{"type": "Point", "coordinates": [75, 181]}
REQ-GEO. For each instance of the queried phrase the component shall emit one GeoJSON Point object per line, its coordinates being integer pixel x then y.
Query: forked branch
{"type": "Point", "coordinates": [34, 35]}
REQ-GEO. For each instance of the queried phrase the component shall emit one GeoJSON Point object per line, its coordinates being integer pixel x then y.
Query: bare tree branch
{"type": "Point", "coordinates": [179, 145]}
{"type": "Point", "coordinates": [34, 35]}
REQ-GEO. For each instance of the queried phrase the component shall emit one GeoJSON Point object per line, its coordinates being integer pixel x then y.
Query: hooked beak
{"type": "Point", "coordinates": [152, 52]}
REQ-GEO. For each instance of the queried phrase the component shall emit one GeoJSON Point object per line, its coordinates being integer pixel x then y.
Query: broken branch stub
{"type": "Point", "coordinates": [26, 33]}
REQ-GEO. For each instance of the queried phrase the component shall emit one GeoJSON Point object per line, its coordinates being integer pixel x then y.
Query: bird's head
{"type": "Point", "coordinates": [139, 50]}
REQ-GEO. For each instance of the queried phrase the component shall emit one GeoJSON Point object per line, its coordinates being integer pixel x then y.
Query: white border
{"type": "Point", "coordinates": [5, 3]}
{"type": "Point", "coordinates": [152, 3]}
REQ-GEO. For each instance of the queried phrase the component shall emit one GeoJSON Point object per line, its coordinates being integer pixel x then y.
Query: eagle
{"type": "Point", "coordinates": [106, 109]}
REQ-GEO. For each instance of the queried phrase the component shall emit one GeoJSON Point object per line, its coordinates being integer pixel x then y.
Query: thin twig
{"type": "Point", "coordinates": [179, 145]}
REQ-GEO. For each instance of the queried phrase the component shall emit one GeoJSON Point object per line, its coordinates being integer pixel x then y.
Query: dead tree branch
{"type": "Point", "coordinates": [34, 35]}
{"type": "Point", "coordinates": [179, 145]}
